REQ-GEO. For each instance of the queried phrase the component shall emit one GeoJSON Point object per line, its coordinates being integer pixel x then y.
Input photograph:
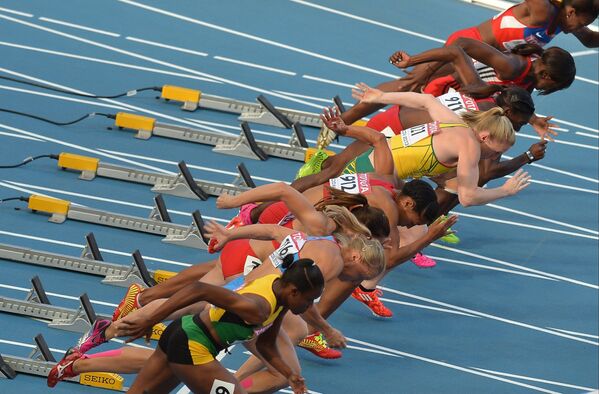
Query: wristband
{"type": "Point", "coordinates": [530, 156]}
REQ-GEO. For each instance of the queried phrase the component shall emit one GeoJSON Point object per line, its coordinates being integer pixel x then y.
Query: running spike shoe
{"type": "Point", "coordinates": [317, 345]}
{"type": "Point", "coordinates": [423, 261]}
{"type": "Point", "coordinates": [64, 368]}
{"type": "Point", "coordinates": [94, 337]}
{"type": "Point", "coordinates": [450, 238]}
{"type": "Point", "coordinates": [314, 165]}
{"type": "Point", "coordinates": [372, 302]}
{"type": "Point", "coordinates": [129, 303]}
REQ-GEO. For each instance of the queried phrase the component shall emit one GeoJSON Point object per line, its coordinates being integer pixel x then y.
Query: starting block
{"type": "Point", "coordinates": [41, 361]}
{"type": "Point", "coordinates": [159, 222]}
{"type": "Point", "coordinates": [90, 262]}
{"type": "Point", "coordinates": [181, 185]}
{"type": "Point", "coordinates": [245, 145]}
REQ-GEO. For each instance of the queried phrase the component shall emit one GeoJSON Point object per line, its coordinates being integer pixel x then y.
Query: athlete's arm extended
{"type": "Point", "coordinates": [266, 344]}
{"type": "Point", "coordinates": [469, 193]}
{"type": "Point", "coordinates": [254, 231]}
{"type": "Point", "coordinates": [425, 102]}
{"type": "Point", "coordinates": [314, 319]}
{"type": "Point", "coordinates": [507, 66]}
{"type": "Point", "coordinates": [503, 168]}
{"type": "Point", "coordinates": [314, 222]}
{"type": "Point", "coordinates": [252, 308]}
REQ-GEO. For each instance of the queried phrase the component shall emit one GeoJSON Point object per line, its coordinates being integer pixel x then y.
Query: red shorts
{"type": "Point", "coordinates": [389, 118]}
{"type": "Point", "coordinates": [471, 32]}
{"type": "Point", "coordinates": [385, 184]}
{"type": "Point", "coordinates": [234, 255]}
{"type": "Point", "coordinates": [441, 85]}
{"type": "Point", "coordinates": [274, 213]}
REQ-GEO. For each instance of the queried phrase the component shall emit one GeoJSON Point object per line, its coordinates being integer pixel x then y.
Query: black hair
{"type": "Point", "coordinates": [374, 219]}
{"type": "Point", "coordinates": [302, 273]}
{"type": "Point", "coordinates": [588, 7]}
{"type": "Point", "coordinates": [515, 99]}
{"type": "Point", "coordinates": [424, 197]}
{"type": "Point", "coordinates": [558, 62]}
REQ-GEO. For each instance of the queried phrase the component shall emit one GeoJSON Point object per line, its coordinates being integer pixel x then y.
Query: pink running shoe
{"type": "Point", "coordinates": [423, 261]}
{"type": "Point", "coordinates": [94, 337]}
{"type": "Point", "coordinates": [372, 302]}
{"type": "Point", "coordinates": [64, 368]}
{"type": "Point", "coordinates": [245, 212]}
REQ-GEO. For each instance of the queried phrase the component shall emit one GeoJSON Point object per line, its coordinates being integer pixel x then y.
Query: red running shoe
{"type": "Point", "coordinates": [372, 301]}
{"type": "Point", "coordinates": [64, 368]}
{"type": "Point", "coordinates": [317, 345]}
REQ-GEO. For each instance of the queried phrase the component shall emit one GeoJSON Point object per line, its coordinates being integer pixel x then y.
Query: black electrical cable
{"type": "Point", "coordinates": [30, 159]}
{"type": "Point", "coordinates": [90, 115]}
{"type": "Point", "coordinates": [40, 85]}
{"type": "Point", "coordinates": [21, 198]}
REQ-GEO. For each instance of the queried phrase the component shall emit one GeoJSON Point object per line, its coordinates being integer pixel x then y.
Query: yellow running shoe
{"type": "Point", "coordinates": [129, 303]}
{"type": "Point", "coordinates": [313, 165]}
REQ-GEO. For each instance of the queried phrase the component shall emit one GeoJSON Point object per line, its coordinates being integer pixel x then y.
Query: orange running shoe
{"type": "Point", "coordinates": [233, 223]}
{"type": "Point", "coordinates": [372, 301]}
{"type": "Point", "coordinates": [317, 345]}
{"type": "Point", "coordinates": [129, 303]}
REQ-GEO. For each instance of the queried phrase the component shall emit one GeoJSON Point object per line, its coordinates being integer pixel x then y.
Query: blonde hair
{"type": "Point", "coordinates": [345, 220]}
{"type": "Point", "coordinates": [494, 121]}
{"type": "Point", "coordinates": [371, 251]}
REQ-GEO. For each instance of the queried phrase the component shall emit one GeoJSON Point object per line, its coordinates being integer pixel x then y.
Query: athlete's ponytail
{"type": "Point", "coordinates": [303, 274]}
{"type": "Point", "coordinates": [375, 219]}
{"type": "Point", "coordinates": [341, 198]}
{"type": "Point", "coordinates": [494, 121]}
{"type": "Point", "coordinates": [345, 220]}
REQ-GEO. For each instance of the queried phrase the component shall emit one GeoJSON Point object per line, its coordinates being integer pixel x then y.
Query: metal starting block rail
{"type": "Point", "coordinates": [41, 361]}
{"type": "Point", "coordinates": [262, 112]}
{"type": "Point", "coordinates": [181, 185]}
{"type": "Point", "coordinates": [159, 222]}
{"type": "Point", "coordinates": [90, 262]}
{"type": "Point", "coordinates": [244, 145]}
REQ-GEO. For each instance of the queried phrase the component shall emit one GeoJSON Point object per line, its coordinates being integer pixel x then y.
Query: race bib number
{"type": "Point", "coordinates": [251, 263]}
{"type": "Point", "coordinates": [351, 183]}
{"type": "Point", "coordinates": [417, 133]}
{"type": "Point", "coordinates": [222, 387]}
{"type": "Point", "coordinates": [291, 245]}
{"type": "Point", "coordinates": [388, 132]}
{"type": "Point", "coordinates": [457, 102]}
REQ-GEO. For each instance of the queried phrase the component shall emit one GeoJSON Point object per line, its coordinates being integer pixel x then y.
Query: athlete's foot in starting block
{"type": "Point", "coordinates": [129, 303]}
{"type": "Point", "coordinates": [313, 165]}
{"type": "Point", "coordinates": [233, 223]}
{"type": "Point", "coordinates": [94, 337]}
{"type": "Point", "coordinates": [372, 301]}
{"type": "Point", "coordinates": [64, 368]}
{"type": "Point", "coordinates": [317, 345]}
{"type": "Point", "coordinates": [423, 261]}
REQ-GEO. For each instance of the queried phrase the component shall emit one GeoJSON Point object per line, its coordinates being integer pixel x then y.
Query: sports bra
{"type": "Point", "coordinates": [291, 246]}
{"type": "Point", "coordinates": [510, 32]}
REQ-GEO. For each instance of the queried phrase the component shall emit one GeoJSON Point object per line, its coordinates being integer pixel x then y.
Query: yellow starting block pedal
{"type": "Point", "coordinates": [87, 165]}
{"type": "Point", "coordinates": [189, 97]}
{"type": "Point", "coordinates": [57, 208]}
{"type": "Point", "coordinates": [312, 151]}
{"type": "Point", "coordinates": [162, 275]}
{"type": "Point", "coordinates": [143, 124]}
{"type": "Point", "coordinates": [105, 380]}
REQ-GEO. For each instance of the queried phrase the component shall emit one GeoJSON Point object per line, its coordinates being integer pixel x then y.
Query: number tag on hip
{"type": "Point", "coordinates": [222, 387]}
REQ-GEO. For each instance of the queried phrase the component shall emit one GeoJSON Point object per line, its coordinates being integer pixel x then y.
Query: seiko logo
{"type": "Point", "coordinates": [99, 379]}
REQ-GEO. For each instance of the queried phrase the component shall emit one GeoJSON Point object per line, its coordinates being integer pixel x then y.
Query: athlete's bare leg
{"type": "Point", "coordinates": [155, 377]}
{"type": "Point", "coordinates": [124, 360]}
{"type": "Point", "coordinates": [206, 378]}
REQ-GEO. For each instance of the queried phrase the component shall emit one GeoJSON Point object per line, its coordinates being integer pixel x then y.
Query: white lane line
{"type": "Point", "coordinates": [58, 97]}
{"type": "Point", "coordinates": [156, 61]}
{"type": "Point", "coordinates": [81, 246]}
{"type": "Point", "coordinates": [448, 365]}
{"type": "Point", "coordinates": [510, 375]}
{"type": "Point", "coordinates": [587, 135]}
{"type": "Point", "coordinates": [255, 38]}
{"type": "Point", "coordinates": [580, 334]}
{"type": "Point", "coordinates": [584, 53]}
{"type": "Point", "coordinates": [461, 262]}
{"type": "Point", "coordinates": [544, 219]}
{"type": "Point", "coordinates": [370, 350]}
{"type": "Point", "coordinates": [80, 27]}
{"type": "Point", "coordinates": [63, 296]}
{"type": "Point", "coordinates": [320, 99]}
{"type": "Point", "coordinates": [109, 62]}
{"type": "Point", "coordinates": [30, 346]}
{"type": "Point", "coordinates": [254, 65]}
{"type": "Point", "coordinates": [174, 163]}
{"type": "Point", "coordinates": [20, 136]}
{"type": "Point", "coordinates": [331, 82]}
{"type": "Point", "coordinates": [10, 11]}
{"type": "Point", "coordinates": [572, 124]}
{"type": "Point", "coordinates": [523, 268]}
{"type": "Point", "coordinates": [587, 80]}
{"type": "Point", "coordinates": [370, 21]}
{"type": "Point", "coordinates": [427, 307]}
{"type": "Point", "coordinates": [562, 142]}
{"type": "Point", "coordinates": [489, 316]}
{"type": "Point", "coordinates": [568, 173]}
{"type": "Point", "coordinates": [560, 186]}
{"type": "Point", "coordinates": [160, 45]}
{"type": "Point", "coordinates": [518, 224]}
{"type": "Point", "coordinates": [103, 199]}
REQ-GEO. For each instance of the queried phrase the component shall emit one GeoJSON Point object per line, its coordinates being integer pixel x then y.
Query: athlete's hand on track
{"type": "Point", "coordinates": [543, 128]}
{"type": "Point", "coordinates": [440, 227]}
{"type": "Point", "coordinates": [366, 94]}
{"type": "Point", "coordinates": [217, 232]}
{"type": "Point", "coordinates": [225, 201]}
{"type": "Point", "coordinates": [335, 338]}
{"type": "Point", "coordinates": [400, 59]}
{"type": "Point", "coordinates": [331, 117]}
{"type": "Point", "coordinates": [519, 181]}
{"type": "Point", "coordinates": [298, 384]}
{"type": "Point", "coordinates": [538, 150]}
